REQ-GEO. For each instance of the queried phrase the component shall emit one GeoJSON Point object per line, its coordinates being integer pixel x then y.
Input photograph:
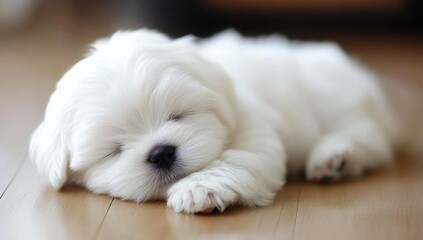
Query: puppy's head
{"type": "Point", "coordinates": [133, 117]}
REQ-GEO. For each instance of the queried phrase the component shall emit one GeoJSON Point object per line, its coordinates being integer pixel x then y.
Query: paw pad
{"type": "Point", "coordinates": [328, 170]}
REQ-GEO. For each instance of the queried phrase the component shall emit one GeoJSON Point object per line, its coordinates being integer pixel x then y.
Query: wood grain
{"type": "Point", "coordinates": [30, 65]}
{"type": "Point", "coordinates": [31, 209]}
{"type": "Point", "coordinates": [383, 205]}
{"type": "Point", "coordinates": [156, 221]}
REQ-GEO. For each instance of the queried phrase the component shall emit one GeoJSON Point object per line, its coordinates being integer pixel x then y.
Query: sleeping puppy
{"type": "Point", "coordinates": [212, 123]}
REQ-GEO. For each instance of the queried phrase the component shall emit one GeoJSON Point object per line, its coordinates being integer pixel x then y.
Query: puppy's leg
{"type": "Point", "coordinates": [348, 151]}
{"type": "Point", "coordinates": [249, 174]}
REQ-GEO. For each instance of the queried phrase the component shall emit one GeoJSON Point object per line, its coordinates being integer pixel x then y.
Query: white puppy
{"type": "Point", "coordinates": [210, 124]}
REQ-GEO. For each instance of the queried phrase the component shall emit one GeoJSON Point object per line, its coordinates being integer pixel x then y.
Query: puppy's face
{"type": "Point", "coordinates": [138, 114]}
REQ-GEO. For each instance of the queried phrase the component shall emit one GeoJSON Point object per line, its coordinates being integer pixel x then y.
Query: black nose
{"type": "Point", "coordinates": [162, 156]}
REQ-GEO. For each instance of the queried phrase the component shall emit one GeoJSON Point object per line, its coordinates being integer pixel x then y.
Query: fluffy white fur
{"type": "Point", "coordinates": [249, 111]}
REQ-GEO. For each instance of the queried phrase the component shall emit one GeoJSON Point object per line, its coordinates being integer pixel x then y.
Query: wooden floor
{"type": "Point", "coordinates": [387, 204]}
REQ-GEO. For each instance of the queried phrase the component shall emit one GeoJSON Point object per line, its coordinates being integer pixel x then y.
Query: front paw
{"type": "Point", "coordinates": [192, 195]}
{"type": "Point", "coordinates": [328, 169]}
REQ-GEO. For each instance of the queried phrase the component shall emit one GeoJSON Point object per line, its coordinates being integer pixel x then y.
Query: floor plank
{"type": "Point", "coordinates": [30, 66]}
{"type": "Point", "coordinates": [155, 221]}
{"type": "Point", "coordinates": [31, 209]}
{"type": "Point", "coordinates": [383, 205]}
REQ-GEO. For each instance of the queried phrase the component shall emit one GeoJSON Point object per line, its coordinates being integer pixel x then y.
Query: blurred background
{"type": "Point", "coordinates": [41, 39]}
{"type": "Point", "coordinates": [301, 18]}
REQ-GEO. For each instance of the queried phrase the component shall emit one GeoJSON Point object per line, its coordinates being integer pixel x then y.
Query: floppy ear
{"type": "Point", "coordinates": [48, 149]}
{"type": "Point", "coordinates": [49, 153]}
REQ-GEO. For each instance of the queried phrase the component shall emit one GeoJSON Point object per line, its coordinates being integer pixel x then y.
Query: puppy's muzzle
{"type": "Point", "coordinates": [162, 156]}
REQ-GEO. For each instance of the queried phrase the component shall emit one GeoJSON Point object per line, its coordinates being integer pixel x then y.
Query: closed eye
{"type": "Point", "coordinates": [117, 150]}
{"type": "Point", "coordinates": [176, 117]}
{"type": "Point", "coordinates": [179, 116]}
